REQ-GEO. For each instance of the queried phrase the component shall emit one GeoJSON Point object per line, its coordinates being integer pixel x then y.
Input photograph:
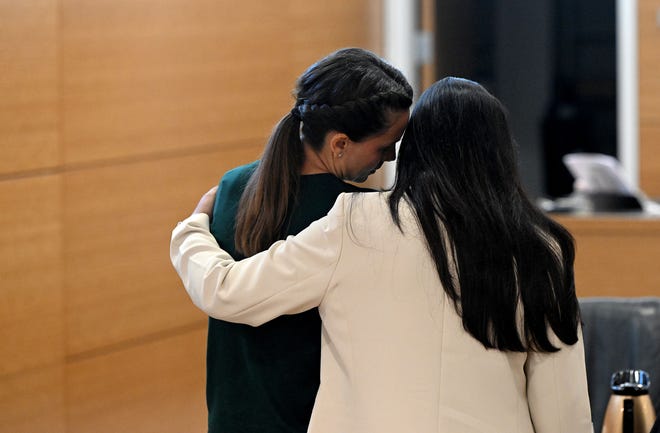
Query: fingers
{"type": "Point", "coordinates": [207, 202]}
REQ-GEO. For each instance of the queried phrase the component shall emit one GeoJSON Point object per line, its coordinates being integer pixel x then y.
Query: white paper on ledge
{"type": "Point", "coordinates": [596, 172]}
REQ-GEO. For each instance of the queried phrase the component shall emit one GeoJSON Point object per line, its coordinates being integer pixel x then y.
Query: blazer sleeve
{"type": "Point", "coordinates": [290, 277]}
{"type": "Point", "coordinates": [557, 389]}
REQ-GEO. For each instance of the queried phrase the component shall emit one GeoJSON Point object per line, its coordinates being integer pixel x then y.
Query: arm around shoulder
{"type": "Point", "coordinates": [290, 277]}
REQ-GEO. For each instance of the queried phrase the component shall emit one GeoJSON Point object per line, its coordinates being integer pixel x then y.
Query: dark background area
{"type": "Point", "coordinates": [551, 62]}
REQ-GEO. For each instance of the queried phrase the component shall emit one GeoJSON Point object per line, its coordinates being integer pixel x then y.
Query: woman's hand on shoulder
{"type": "Point", "coordinates": [206, 203]}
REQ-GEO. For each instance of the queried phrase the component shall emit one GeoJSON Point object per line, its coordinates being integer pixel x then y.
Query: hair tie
{"type": "Point", "coordinates": [295, 113]}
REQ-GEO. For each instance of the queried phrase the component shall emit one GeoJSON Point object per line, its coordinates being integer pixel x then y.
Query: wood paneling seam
{"type": "Point", "coordinates": [137, 341]}
{"type": "Point", "coordinates": [147, 157]}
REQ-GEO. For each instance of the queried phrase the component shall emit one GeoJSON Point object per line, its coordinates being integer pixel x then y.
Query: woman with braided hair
{"type": "Point", "coordinates": [448, 304]}
{"type": "Point", "coordinates": [350, 109]}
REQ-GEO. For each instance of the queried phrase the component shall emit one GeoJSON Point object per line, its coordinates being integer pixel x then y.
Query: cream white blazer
{"type": "Point", "coordinates": [395, 357]}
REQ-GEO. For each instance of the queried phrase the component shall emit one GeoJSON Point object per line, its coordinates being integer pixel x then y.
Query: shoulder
{"type": "Point", "coordinates": [372, 212]}
{"type": "Point", "coordinates": [367, 206]}
{"type": "Point", "coordinates": [233, 181]}
{"type": "Point", "coordinates": [239, 175]}
{"type": "Point", "coordinates": [227, 197]}
{"type": "Point", "coordinates": [349, 187]}
{"type": "Point", "coordinates": [368, 200]}
{"type": "Point", "coordinates": [366, 221]}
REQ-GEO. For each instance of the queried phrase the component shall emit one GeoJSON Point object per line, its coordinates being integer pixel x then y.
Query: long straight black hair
{"type": "Point", "coordinates": [499, 258]}
{"type": "Point", "coordinates": [351, 91]}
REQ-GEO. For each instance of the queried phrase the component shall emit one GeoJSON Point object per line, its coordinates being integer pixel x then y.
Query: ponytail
{"type": "Point", "coordinates": [351, 91]}
{"type": "Point", "coordinates": [270, 192]}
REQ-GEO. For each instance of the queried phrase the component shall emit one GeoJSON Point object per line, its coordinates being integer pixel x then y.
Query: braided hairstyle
{"type": "Point", "coordinates": [351, 91]}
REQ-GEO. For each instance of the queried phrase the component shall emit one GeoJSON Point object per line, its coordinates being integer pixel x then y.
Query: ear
{"type": "Point", "coordinates": [338, 142]}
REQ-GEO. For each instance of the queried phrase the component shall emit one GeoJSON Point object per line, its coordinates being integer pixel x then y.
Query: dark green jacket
{"type": "Point", "coordinates": [265, 379]}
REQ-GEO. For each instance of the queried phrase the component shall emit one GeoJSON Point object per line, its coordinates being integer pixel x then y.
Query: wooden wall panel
{"type": "Point", "coordinates": [33, 401]}
{"type": "Point", "coordinates": [155, 387]}
{"type": "Point", "coordinates": [31, 305]}
{"type": "Point", "coordinates": [649, 61]}
{"type": "Point", "coordinates": [616, 256]}
{"type": "Point", "coordinates": [649, 159]}
{"type": "Point", "coordinates": [427, 24]}
{"type": "Point", "coordinates": [329, 26]}
{"type": "Point", "coordinates": [28, 85]}
{"type": "Point", "coordinates": [141, 77]}
{"type": "Point", "coordinates": [119, 282]}
{"type": "Point", "coordinates": [649, 96]}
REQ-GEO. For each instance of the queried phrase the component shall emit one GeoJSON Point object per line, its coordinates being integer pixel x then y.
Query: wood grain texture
{"type": "Point", "coordinates": [616, 256]}
{"type": "Point", "coordinates": [329, 26]}
{"type": "Point", "coordinates": [28, 85]}
{"type": "Point", "coordinates": [427, 24]}
{"type": "Point", "coordinates": [119, 282]}
{"type": "Point", "coordinates": [649, 62]}
{"type": "Point", "coordinates": [155, 387]}
{"type": "Point", "coordinates": [140, 77]}
{"type": "Point", "coordinates": [649, 96]}
{"type": "Point", "coordinates": [649, 160]}
{"type": "Point", "coordinates": [31, 303]}
{"type": "Point", "coordinates": [33, 401]}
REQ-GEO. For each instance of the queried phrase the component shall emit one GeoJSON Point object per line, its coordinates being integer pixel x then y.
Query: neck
{"type": "Point", "coordinates": [314, 163]}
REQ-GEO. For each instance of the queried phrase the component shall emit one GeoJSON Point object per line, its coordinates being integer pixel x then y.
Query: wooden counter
{"type": "Point", "coordinates": [617, 254]}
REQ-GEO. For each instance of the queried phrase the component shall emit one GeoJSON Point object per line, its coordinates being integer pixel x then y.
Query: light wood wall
{"type": "Point", "coordinates": [616, 255]}
{"type": "Point", "coordinates": [115, 116]}
{"type": "Point", "coordinates": [649, 96]}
